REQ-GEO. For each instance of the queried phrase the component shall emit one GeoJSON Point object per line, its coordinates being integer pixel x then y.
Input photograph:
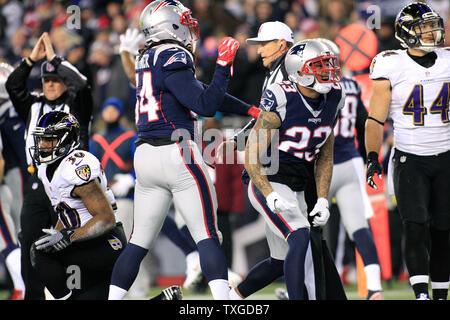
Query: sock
{"type": "Point", "coordinates": [13, 264]}
{"type": "Point", "coordinates": [419, 284]}
{"type": "Point", "coordinates": [234, 295]}
{"type": "Point", "coordinates": [439, 263]}
{"type": "Point", "coordinates": [219, 289]}
{"type": "Point", "coordinates": [116, 293]}
{"type": "Point", "coordinates": [212, 260]}
{"type": "Point", "coordinates": [261, 275]}
{"type": "Point", "coordinates": [171, 231]}
{"type": "Point", "coordinates": [373, 273]}
{"type": "Point", "coordinates": [126, 268]}
{"type": "Point", "coordinates": [294, 264]}
{"type": "Point", "coordinates": [440, 290]}
{"type": "Point", "coordinates": [366, 246]}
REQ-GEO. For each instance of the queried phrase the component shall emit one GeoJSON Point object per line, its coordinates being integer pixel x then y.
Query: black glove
{"type": "Point", "coordinates": [55, 240]}
{"type": "Point", "coordinates": [373, 166]}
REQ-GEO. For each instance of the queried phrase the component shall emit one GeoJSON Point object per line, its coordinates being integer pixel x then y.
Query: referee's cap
{"type": "Point", "coordinates": [273, 30]}
{"type": "Point", "coordinates": [48, 70]}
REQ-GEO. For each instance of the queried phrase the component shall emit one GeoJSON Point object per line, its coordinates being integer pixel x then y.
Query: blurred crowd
{"type": "Point", "coordinates": [91, 43]}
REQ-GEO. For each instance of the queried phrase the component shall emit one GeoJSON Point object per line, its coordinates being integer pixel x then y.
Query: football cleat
{"type": "Point", "coordinates": [281, 294]}
{"type": "Point", "coordinates": [423, 296]}
{"type": "Point", "coordinates": [172, 293]}
{"type": "Point", "coordinates": [374, 295]}
{"type": "Point", "coordinates": [16, 295]}
{"type": "Point", "coordinates": [193, 270]}
{"type": "Point", "coordinates": [233, 278]}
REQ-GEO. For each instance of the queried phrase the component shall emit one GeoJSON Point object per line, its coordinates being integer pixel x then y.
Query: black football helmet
{"type": "Point", "coordinates": [410, 27]}
{"type": "Point", "coordinates": [55, 125]}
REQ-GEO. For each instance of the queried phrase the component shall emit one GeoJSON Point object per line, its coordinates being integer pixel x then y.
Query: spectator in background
{"type": "Point", "coordinates": [109, 77]}
{"type": "Point", "coordinates": [264, 11]}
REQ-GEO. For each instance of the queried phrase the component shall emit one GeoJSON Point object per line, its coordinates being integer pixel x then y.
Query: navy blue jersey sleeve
{"type": "Point", "coordinates": [191, 93]}
{"type": "Point", "coordinates": [176, 59]}
{"type": "Point", "coordinates": [273, 99]}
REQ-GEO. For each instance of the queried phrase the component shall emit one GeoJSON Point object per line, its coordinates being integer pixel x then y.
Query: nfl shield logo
{"type": "Point", "coordinates": [84, 172]}
{"type": "Point", "coordinates": [49, 67]}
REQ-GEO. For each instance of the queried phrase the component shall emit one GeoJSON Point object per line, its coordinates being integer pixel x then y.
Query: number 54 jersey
{"type": "Point", "coordinates": [419, 102]}
{"type": "Point", "coordinates": [306, 123]}
{"type": "Point", "coordinates": [76, 169]}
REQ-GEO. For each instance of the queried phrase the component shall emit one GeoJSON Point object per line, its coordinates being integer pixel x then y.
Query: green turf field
{"type": "Point", "coordinates": [393, 290]}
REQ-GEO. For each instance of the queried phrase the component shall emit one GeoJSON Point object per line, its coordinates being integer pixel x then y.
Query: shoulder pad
{"type": "Point", "coordinates": [80, 167]}
{"type": "Point", "coordinates": [174, 58]}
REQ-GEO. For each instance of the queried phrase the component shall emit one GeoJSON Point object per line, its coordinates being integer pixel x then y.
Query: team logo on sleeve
{"type": "Point", "coordinates": [84, 172]}
{"type": "Point", "coordinates": [266, 103]}
{"type": "Point", "coordinates": [177, 57]}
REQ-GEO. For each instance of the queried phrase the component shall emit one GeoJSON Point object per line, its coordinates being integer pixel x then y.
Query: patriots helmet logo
{"type": "Point", "coordinates": [177, 57]}
{"type": "Point", "coordinates": [298, 49]}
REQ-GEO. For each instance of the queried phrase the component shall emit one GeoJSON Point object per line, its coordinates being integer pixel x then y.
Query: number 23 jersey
{"type": "Point", "coordinates": [419, 102]}
{"type": "Point", "coordinates": [76, 169]}
{"type": "Point", "coordinates": [304, 128]}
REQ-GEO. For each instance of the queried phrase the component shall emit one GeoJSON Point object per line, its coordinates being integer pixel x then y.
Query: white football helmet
{"type": "Point", "coordinates": [332, 45]}
{"type": "Point", "coordinates": [5, 71]}
{"type": "Point", "coordinates": [310, 63]}
{"type": "Point", "coordinates": [169, 20]}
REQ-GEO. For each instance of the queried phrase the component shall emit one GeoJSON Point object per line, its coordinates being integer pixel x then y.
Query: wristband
{"type": "Point", "coordinates": [372, 156]}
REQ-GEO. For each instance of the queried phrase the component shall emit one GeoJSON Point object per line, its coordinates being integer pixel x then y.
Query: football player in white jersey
{"type": "Point", "coordinates": [86, 240]}
{"type": "Point", "coordinates": [412, 87]}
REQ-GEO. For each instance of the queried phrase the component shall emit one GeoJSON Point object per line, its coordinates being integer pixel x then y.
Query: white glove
{"type": "Point", "coordinates": [131, 40]}
{"type": "Point", "coordinates": [276, 203]}
{"type": "Point", "coordinates": [320, 212]}
{"type": "Point", "coordinates": [124, 182]}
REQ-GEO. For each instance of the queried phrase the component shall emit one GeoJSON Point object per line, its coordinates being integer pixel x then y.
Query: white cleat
{"type": "Point", "coordinates": [423, 296]}
{"type": "Point", "coordinates": [281, 294]}
{"type": "Point", "coordinates": [233, 278]}
{"type": "Point", "coordinates": [193, 270]}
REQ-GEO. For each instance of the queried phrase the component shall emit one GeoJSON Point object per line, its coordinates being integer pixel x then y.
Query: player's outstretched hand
{"type": "Point", "coordinates": [321, 213]}
{"type": "Point", "coordinates": [277, 203]}
{"type": "Point", "coordinates": [373, 167]}
{"type": "Point", "coordinates": [227, 51]}
{"type": "Point", "coordinates": [54, 240]}
{"type": "Point", "coordinates": [130, 41]}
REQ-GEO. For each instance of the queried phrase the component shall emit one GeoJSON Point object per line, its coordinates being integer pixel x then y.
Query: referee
{"type": "Point", "coordinates": [66, 89]}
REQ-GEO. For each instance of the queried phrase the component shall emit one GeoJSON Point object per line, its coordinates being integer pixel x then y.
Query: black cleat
{"type": "Point", "coordinates": [170, 293]}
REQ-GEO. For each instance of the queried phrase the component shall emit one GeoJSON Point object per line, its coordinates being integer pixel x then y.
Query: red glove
{"type": "Point", "coordinates": [254, 112]}
{"type": "Point", "coordinates": [227, 51]}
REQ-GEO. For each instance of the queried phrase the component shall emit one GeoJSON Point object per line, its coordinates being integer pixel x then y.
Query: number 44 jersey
{"type": "Point", "coordinates": [76, 169]}
{"type": "Point", "coordinates": [306, 123]}
{"type": "Point", "coordinates": [419, 102]}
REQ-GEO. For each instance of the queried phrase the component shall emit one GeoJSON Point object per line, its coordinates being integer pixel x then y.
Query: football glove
{"type": "Point", "coordinates": [277, 203]}
{"type": "Point", "coordinates": [123, 184]}
{"type": "Point", "coordinates": [373, 166]}
{"type": "Point", "coordinates": [320, 213]}
{"type": "Point", "coordinates": [130, 41]}
{"type": "Point", "coordinates": [54, 240]}
{"type": "Point", "coordinates": [227, 51]}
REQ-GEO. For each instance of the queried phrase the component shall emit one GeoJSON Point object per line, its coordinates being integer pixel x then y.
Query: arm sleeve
{"type": "Point", "coordinates": [361, 117]}
{"type": "Point", "coordinates": [190, 92]}
{"type": "Point", "coordinates": [20, 96]}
